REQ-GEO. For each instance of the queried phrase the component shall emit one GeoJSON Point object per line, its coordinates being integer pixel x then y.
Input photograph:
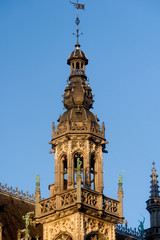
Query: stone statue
{"type": "Point", "coordinates": [26, 218]}
{"type": "Point", "coordinates": [120, 179]}
{"type": "Point", "coordinates": [79, 163]}
{"type": "Point", "coordinates": [37, 182]}
{"type": "Point", "coordinates": [141, 228]}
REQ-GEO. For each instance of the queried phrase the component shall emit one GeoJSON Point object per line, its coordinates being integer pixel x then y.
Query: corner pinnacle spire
{"type": "Point", "coordinates": [154, 183]}
{"type": "Point", "coordinates": [82, 7]}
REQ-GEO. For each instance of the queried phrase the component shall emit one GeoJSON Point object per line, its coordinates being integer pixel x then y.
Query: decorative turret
{"type": "Point", "coordinates": [153, 207]}
{"type": "Point", "coordinates": [77, 207]}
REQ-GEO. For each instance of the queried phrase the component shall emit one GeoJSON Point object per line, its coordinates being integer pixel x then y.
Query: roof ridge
{"type": "Point", "coordinates": [15, 193]}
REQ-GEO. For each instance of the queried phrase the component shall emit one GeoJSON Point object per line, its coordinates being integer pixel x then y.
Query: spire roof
{"type": "Point", "coordinates": [154, 183]}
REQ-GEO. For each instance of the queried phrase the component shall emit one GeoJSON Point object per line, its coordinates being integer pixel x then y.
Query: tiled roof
{"type": "Point", "coordinates": [11, 211]}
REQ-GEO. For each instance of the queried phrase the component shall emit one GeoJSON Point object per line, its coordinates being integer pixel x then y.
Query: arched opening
{"type": "Point", "coordinates": [92, 171]}
{"type": "Point", "coordinates": [76, 156]}
{"type": "Point", "coordinates": [77, 67]}
{"type": "Point", "coordinates": [65, 173]}
{"type": "Point", "coordinates": [63, 237]}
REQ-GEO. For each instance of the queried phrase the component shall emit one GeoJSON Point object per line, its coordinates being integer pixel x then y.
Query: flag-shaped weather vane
{"type": "Point", "coordinates": [78, 6]}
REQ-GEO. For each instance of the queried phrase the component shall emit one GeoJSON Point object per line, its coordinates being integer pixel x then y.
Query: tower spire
{"type": "Point", "coordinates": [77, 34]}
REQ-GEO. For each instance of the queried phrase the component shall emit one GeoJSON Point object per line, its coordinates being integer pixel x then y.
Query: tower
{"type": "Point", "coordinates": [153, 207]}
{"type": "Point", "coordinates": [77, 208]}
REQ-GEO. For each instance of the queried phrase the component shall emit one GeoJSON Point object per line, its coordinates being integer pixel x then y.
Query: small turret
{"type": "Point", "coordinates": [153, 207]}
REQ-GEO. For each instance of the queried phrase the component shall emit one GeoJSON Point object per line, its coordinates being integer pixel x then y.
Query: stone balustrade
{"type": "Point", "coordinates": [89, 198]}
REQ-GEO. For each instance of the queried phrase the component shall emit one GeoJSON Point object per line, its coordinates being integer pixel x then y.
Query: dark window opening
{"type": "Point", "coordinates": [92, 172]}
{"type": "Point", "coordinates": [77, 67]}
{"type": "Point", "coordinates": [64, 173]}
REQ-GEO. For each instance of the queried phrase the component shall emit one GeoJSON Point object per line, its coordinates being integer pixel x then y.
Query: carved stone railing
{"type": "Point", "coordinates": [48, 205]}
{"type": "Point", "coordinates": [128, 232]}
{"type": "Point", "coordinates": [110, 205]}
{"type": "Point", "coordinates": [17, 193]}
{"type": "Point", "coordinates": [88, 198]}
{"type": "Point", "coordinates": [68, 198]}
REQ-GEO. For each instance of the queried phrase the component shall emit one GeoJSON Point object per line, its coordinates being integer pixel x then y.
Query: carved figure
{"type": "Point", "coordinates": [120, 179]}
{"type": "Point", "coordinates": [141, 227]}
{"type": "Point", "coordinates": [26, 218]}
{"type": "Point", "coordinates": [79, 163]}
{"type": "Point", "coordinates": [37, 180]}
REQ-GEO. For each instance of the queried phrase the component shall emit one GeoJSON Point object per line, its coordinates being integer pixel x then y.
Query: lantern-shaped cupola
{"type": "Point", "coordinates": [77, 60]}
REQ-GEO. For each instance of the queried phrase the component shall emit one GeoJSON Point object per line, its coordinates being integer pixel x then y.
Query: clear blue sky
{"type": "Point", "coordinates": [122, 41]}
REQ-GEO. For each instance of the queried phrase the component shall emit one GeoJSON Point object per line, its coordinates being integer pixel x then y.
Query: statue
{"type": "Point", "coordinates": [26, 218]}
{"type": "Point", "coordinates": [37, 181]}
{"type": "Point", "coordinates": [120, 179]}
{"type": "Point", "coordinates": [79, 163]}
{"type": "Point", "coordinates": [141, 228]}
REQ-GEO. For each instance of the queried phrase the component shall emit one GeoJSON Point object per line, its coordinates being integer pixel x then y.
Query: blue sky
{"type": "Point", "coordinates": [121, 39]}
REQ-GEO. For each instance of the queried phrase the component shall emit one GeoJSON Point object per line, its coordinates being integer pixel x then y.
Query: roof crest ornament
{"type": "Point", "coordinates": [82, 7]}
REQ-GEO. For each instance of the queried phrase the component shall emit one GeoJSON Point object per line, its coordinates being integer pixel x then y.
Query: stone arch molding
{"type": "Point", "coordinates": [63, 236]}
{"type": "Point", "coordinates": [95, 236]}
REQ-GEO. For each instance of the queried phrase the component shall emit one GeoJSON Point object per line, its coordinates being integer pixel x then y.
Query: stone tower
{"type": "Point", "coordinates": [153, 207]}
{"type": "Point", "coordinates": [77, 208]}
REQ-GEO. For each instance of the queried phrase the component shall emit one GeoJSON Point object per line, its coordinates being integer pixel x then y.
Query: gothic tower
{"type": "Point", "coordinates": [153, 207]}
{"type": "Point", "coordinates": [77, 208]}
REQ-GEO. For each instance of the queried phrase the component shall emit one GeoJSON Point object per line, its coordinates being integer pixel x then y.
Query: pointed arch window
{"type": "Point", "coordinates": [92, 172]}
{"type": "Point", "coordinates": [65, 172]}
{"type": "Point", "coordinates": [76, 155]}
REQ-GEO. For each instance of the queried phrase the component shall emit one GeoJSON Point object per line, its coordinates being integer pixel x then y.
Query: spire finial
{"type": "Point", "coordinates": [153, 163]}
{"type": "Point", "coordinates": [77, 6]}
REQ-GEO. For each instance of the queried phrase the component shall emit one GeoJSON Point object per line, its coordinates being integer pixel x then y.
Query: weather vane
{"type": "Point", "coordinates": [82, 7]}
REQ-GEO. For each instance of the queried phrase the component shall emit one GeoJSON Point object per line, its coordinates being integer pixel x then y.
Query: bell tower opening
{"type": "Point", "coordinates": [92, 171]}
{"type": "Point", "coordinates": [65, 172]}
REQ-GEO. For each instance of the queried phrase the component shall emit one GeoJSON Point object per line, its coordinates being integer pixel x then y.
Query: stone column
{"type": "Point", "coordinates": [120, 196]}
{"type": "Point", "coordinates": [69, 166]}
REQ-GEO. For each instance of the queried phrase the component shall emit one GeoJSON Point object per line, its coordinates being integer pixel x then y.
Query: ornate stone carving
{"type": "Point", "coordinates": [68, 198]}
{"type": "Point", "coordinates": [89, 198]}
{"type": "Point", "coordinates": [48, 205]}
{"type": "Point", "coordinates": [94, 225]}
{"type": "Point", "coordinates": [110, 205]}
{"type": "Point", "coordinates": [66, 225]}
